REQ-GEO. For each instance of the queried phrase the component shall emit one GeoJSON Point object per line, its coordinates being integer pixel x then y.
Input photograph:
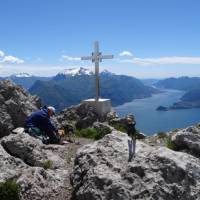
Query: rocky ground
{"type": "Point", "coordinates": [42, 171]}
{"type": "Point", "coordinates": [94, 170]}
{"type": "Point", "coordinates": [102, 170]}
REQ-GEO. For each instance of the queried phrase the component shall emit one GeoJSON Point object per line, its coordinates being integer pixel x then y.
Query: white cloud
{"type": "Point", "coordinates": [9, 59]}
{"type": "Point", "coordinates": [125, 53]}
{"type": "Point", "coordinates": [69, 58]}
{"type": "Point", "coordinates": [1, 53]}
{"type": "Point", "coordinates": [12, 60]}
{"type": "Point", "coordinates": [163, 60]}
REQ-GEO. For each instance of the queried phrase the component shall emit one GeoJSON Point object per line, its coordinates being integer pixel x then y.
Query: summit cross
{"type": "Point", "coordinates": [97, 57]}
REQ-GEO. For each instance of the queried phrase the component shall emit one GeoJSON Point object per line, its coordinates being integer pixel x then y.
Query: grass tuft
{"type": "Point", "coordinates": [170, 144]}
{"type": "Point", "coordinates": [9, 190]}
{"type": "Point", "coordinates": [93, 133]}
{"type": "Point", "coordinates": [120, 128]}
{"type": "Point", "coordinates": [48, 164]}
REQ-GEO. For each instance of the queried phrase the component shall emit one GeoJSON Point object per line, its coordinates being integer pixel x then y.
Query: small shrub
{"type": "Point", "coordinates": [9, 190]}
{"type": "Point", "coordinates": [162, 135]}
{"type": "Point", "coordinates": [170, 144]}
{"type": "Point", "coordinates": [86, 133]}
{"type": "Point", "coordinates": [120, 127]}
{"type": "Point", "coordinates": [101, 132]}
{"type": "Point", "coordinates": [48, 164]}
{"type": "Point", "coordinates": [93, 133]}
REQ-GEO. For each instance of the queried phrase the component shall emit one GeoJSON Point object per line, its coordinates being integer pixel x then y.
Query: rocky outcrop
{"type": "Point", "coordinates": [188, 140]}
{"type": "Point", "coordinates": [15, 105]}
{"type": "Point", "coordinates": [84, 116]}
{"type": "Point", "coordinates": [80, 116]}
{"type": "Point", "coordinates": [40, 170]}
{"type": "Point", "coordinates": [102, 171]}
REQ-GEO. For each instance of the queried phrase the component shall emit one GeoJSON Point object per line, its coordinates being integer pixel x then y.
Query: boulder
{"type": "Point", "coordinates": [15, 105]}
{"type": "Point", "coordinates": [102, 171]}
{"type": "Point", "coordinates": [31, 150]}
{"type": "Point", "coordinates": [40, 170]}
{"type": "Point", "coordinates": [80, 116]}
{"type": "Point", "coordinates": [188, 139]}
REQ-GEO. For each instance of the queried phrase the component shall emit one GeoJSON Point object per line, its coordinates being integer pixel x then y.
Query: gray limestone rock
{"type": "Point", "coordinates": [15, 105]}
{"type": "Point", "coordinates": [102, 172]}
{"type": "Point", "coordinates": [80, 116]}
{"type": "Point", "coordinates": [31, 150]}
{"type": "Point", "coordinates": [188, 139]}
{"type": "Point", "coordinates": [23, 159]}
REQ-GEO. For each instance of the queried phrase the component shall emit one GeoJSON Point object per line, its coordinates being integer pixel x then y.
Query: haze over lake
{"type": "Point", "coordinates": [150, 121]}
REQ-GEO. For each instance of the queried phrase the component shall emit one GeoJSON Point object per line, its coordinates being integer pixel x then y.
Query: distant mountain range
{"type": "Point", "coordinates": [183, 83]}
{"type": "Point", "coordinates": [24, 79]}
{"type": "Point", "coordinates": [191, 99]}
{"type": "Point", "coordinates": [73, 85]}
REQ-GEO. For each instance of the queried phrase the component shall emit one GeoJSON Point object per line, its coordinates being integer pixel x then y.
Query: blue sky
{"type": "Point", "coordinates": [155, 38]}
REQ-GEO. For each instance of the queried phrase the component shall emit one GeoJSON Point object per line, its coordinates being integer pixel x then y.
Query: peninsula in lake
{"type": "Point", "coordinates": [191, 86]}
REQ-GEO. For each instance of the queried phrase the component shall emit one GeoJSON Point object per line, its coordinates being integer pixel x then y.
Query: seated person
{"type": "Point", "coordinates": [39, 125]}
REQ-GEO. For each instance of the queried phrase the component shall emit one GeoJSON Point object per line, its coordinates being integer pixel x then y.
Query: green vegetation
{"type": "Point", "coordinates": [9, 190]}
{"type": "Point", "coordinates": [93, 133]}
{"type": "Point", "coordinates": [102, 131]}
{"type": "Point", "coordinates": [48, 164]}
{"type": "Point", "coordinates": [170, 144]}
{"type": "Point", "coordinates": [120, 127]}
{"type": "Point", "coordinates": [161, 135]}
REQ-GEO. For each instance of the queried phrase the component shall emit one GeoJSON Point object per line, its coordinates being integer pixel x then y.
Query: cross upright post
{"type": "Point", "coordinates": [97, 57]}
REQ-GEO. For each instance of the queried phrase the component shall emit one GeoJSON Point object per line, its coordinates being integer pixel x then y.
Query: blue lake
{"type": "Point", "coordinates": [150, 121]}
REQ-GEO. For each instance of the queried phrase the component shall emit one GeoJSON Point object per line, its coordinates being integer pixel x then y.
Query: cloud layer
{"type": "Point", "coordinates": [8, 59]}
{"type": "Point", "coordinates": [69, 58]}
{"type": "Point", "coordinates": [163, 60]}
{"type": "Point", "coordinates": [125, 53]}
{"type": "Point", "coordinates": [1, 54]}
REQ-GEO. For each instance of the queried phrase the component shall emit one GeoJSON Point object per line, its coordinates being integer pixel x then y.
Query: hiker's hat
{"type": "Point", "coordinates": [129, 119]}
{"type": "Point", "coordinates": [52, 109]}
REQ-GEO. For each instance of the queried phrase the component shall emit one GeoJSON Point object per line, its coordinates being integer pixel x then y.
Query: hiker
{"type": "Point", "coordinates": [39, 125]}
{"type": "Point", "coordinates": [131, 131]}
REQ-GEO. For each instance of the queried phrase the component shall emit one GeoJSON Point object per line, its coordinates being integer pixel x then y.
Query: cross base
{"type": "Point", "coordinates": [101, 106]}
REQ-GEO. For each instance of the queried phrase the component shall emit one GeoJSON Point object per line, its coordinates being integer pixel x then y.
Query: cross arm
{"type": "Point", "coordinates": [107, 57]}
{"type": "Point", "coordinates": [87, 58]}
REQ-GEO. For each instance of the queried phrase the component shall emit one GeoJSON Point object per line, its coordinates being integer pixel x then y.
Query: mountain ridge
{"type": "Point", "coordinates": [118, 88]}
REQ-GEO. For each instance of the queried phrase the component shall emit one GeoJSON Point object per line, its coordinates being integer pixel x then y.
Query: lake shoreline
{"type": "Point", "coordinates": [150, 121]}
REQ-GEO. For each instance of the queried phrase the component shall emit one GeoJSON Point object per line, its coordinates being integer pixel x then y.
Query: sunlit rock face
{"type": "Point", "coordinates": [102, 171]}
{"type": "Point", "coordinates": [40, 170]}
{"type": "Point", "coordinates": [15, 105]}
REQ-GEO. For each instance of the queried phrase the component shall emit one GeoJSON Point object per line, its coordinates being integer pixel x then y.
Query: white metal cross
{"type": "Point", "coordinates": [97, 57]}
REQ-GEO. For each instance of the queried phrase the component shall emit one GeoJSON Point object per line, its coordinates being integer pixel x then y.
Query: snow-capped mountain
{"type": "Point", "coordinates": [21, 75]}
{"type": "Point", "coordinates": [80, 71]}
{"type": "Point", "coordinates": [76, 72]}
{"type": "Point", "coordinates": [71, 86]}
